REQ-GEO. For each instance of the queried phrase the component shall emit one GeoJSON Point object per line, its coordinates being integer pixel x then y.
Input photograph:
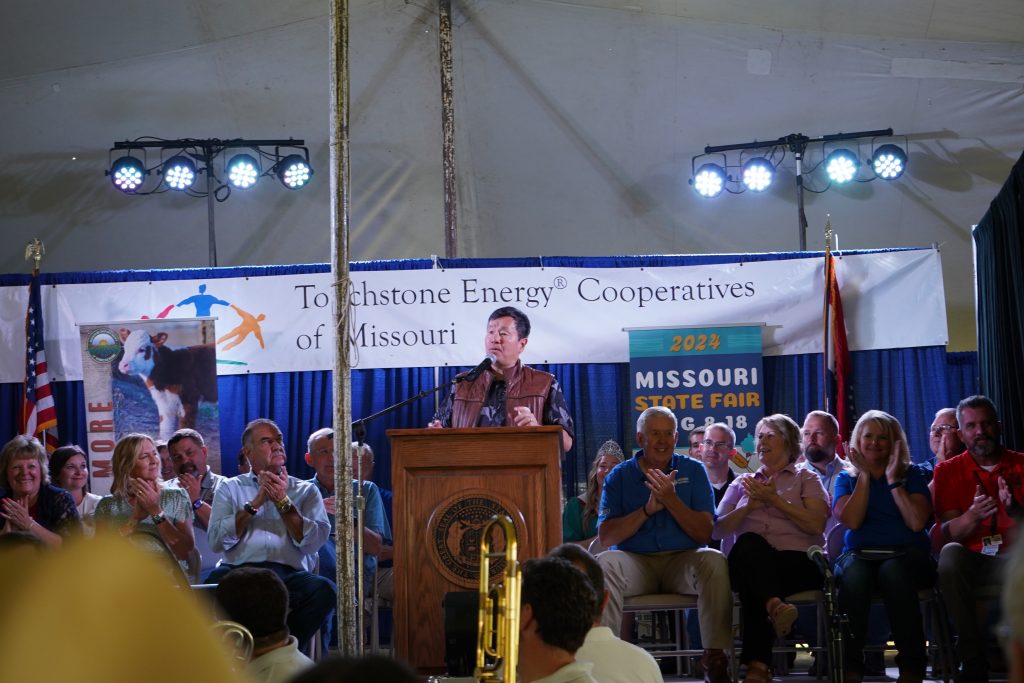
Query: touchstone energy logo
{"type": "Point", "coordinates": [103, 345]}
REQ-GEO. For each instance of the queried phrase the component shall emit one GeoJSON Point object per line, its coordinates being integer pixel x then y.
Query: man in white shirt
{"type": "Point", "coordinates": [614, 660]}
{"type": "Point", "coordinates": [270, 519]}
{"type": "Point", "coordinates": [556, 608]}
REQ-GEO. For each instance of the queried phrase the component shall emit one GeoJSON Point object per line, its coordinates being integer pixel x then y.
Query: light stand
{"type": "Point", "coordinates": [205, 151]}
{"type": "Point", "coordinates": [797, 143]}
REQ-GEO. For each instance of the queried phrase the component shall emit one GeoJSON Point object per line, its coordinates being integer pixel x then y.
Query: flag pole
{"type": "Point", "coordinates": [827, 312]}
{"type": "Point", "coordinates": [34, 251]}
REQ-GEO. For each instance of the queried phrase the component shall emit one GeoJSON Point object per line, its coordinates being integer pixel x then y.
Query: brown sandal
{"type": "Point", "coordinates": [757, 675]}
{"type": "Point", "coordinates": [783, 616]}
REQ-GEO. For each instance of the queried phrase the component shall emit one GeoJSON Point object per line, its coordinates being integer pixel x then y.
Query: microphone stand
{"type": "Point", "coordinates": [836, 625]}
{"type": "Point", "coordinates": [359, 431]}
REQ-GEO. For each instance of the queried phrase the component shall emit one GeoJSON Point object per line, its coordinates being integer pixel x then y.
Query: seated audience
{"type": "Point", "coordinates": [943, 439]}
{"type": "Point", "coordinates": [257, 599]}
{"type": "Point", "coordinates": [696, 442]}
{"type": "Point", "coordinates": [579, 517]}
{"type": "Point", "coordinates": [978, 497]}
{"type": "Point", "coordinates": [883, 502]}
{"type": "Point", "coordinates": [820, 437]}
{"type": "Point", "coordinates": [270, 519]}
{"type": "Point", "coordinates": [166, 466]}
{"type": "Point", "coordinates": [714, 453]}
{"type": "Point", "coordinates": [555, 614]}
{"type": "Point", "coordinates": [613, 660]}
{"type": "Point", "coordinates": [657, 513]}
{"type": "Point", "coordinates": [70, 471]}
{"type": "Point", "coordinates": [189, 457]}
{"type": "Point", "coordinates": [775, 515]}
{"type": "Point", "coordinates": [366, 669]}
{"type": "Point", "coordinates": [243, 462]}
{"type": "Point", "coordinates": [29, 504]}
{"type": "Point", "coordinates": [154, 518]}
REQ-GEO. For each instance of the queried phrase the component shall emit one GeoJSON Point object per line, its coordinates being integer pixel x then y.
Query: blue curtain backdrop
{"type": "Point", "coordinates": [909, 383]}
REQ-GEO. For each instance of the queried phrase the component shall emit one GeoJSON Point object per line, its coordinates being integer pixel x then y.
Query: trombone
{"type": "Point", "coordinates": [497, 649]}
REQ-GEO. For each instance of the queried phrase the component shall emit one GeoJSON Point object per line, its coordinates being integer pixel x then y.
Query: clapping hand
{"type": "Point", "coordinates": [983, 506]}
{"type": "Point", "coordinates": [894, 468]}
{"type": "Point", "coordinates": [190, 483]}
{"type": "Point", "coordinates": [857, 459]}
{"type": "Point", "coordinates": [661, 486]}
{"type": "Point", "coordinates": [147, 497]}
{"type": "Point", "coordinates": [759, 493]}
{"type": "Point", "coordinates": [273, 486]}
{"type": "Point", "coordinates": [16, 512]}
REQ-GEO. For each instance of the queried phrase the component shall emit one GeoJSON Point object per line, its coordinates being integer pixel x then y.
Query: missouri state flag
{"type": "Point", "coordinates": [838, 353]}
{"type": "Point", "coordinates": [38, 410]}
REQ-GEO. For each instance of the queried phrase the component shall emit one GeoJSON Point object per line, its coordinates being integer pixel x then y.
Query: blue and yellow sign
{"type": "Point", "coordinates": [703, 374]}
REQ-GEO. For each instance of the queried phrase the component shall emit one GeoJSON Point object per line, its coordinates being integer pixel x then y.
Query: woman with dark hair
{"type": "Point", "coordinates": [70, 471]}
{"type": "Point", "coordinates": [884, 503]}
{"type": "Point", "coordinates": [579, 517]}
{"type": "Point", "coordinates": [775, 515]}
{"type": "Point", "coordinates": [28, 502]}
{"type": "Point", "coordinates": [158, 520]}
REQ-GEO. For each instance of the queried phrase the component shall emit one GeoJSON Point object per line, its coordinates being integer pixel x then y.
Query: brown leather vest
{"type": "Point", "coordinates": [525, 387]}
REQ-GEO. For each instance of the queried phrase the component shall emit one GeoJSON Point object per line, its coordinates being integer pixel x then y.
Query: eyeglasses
{"type": "Point", "coordinates": [717, 445]}
{"type": "Point", "coordinates": [941, 429]}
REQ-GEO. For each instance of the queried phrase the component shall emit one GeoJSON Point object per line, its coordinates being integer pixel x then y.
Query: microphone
{"type": "Point", "coordinates": [475, 372]}
{"type": "Point", "coordinates": [817, 556]}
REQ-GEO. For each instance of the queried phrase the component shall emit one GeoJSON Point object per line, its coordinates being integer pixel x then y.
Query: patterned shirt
{"type": "Point", "coordinates": [54, 510]}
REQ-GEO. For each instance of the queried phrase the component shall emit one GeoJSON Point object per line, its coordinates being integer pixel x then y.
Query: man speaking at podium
{"type": "Point", "coordinates": [501, 391]}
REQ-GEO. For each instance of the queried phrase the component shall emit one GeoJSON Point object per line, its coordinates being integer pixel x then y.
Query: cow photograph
{"type": "Point", "coordinates": [165, 379]}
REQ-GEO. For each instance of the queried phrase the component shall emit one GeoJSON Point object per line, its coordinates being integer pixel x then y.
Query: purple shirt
{"type": "Point", "coordinates": [795, 486]}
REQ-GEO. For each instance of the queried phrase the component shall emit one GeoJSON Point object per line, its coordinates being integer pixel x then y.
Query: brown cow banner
{"type": "Point", "coordinates": [148, 376]}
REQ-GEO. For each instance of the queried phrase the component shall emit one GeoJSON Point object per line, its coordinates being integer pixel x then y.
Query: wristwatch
{"type": "Point", "coordinates": [197, 503]}
{"type": "Point", "coordinates": [283, 505]}
{"type": "Point", "coordinates": [158, 518]}
{"type": "Point", "coordinates": [896, 484]}
{"type": "Point", "coordinates": [250, 509]}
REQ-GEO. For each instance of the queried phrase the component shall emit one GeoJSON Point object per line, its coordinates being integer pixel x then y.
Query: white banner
{"type": "Point", "coordinates": [417, 318]}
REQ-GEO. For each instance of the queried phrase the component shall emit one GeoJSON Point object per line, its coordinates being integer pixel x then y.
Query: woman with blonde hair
{"type": "Point", "coordinates": [158, 520]}
{"type": "Point", "coordinates": [579, 517]}
{"type": "Point", "coordinates": [883, 502]}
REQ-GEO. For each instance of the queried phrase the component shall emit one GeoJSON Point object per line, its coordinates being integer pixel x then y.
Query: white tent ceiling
{"type": "Point", "coordinates": [576, 124]}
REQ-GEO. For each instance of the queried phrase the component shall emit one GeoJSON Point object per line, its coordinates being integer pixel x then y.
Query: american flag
{"type": "Point", "coordinates": [839, 358]}
{"type": "Point", "coordinates": [39, 412]}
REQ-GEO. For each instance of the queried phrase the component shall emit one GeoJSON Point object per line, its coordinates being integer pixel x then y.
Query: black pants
{"type": "Point", "coordinates": [759, 572]}
{"type": "Point", "coordinates": [897, 579]}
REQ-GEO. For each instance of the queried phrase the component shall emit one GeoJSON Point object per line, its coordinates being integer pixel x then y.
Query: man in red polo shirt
{"type": "Point", "coordinates": [977, 497]}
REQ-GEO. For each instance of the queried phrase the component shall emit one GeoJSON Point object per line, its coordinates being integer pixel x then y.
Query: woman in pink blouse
{"type": "Point", "coordinates": [775, 515]}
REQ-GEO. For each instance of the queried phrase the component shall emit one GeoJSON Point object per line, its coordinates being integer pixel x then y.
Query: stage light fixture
{"type": "Point", "coordinates": [841, 166]}
{"type": "Point", "coordinates": [127, 174]}
{"type": "Point", "coordinates": [889, 162]}
{"type": "Point", "coordinates": [243, 171]}
{"type": "Point", "coordinates": [179, 173]}
{"type": "Point", "coordinates": [709, 181]}
{"type": "Point", "coordinates": [294, 171]}
{"type": "Point", "coordinates": [758, 174]}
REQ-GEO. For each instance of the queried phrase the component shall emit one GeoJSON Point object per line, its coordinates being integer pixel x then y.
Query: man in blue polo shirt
{"type": "Point", "coordinates": [657, 512]}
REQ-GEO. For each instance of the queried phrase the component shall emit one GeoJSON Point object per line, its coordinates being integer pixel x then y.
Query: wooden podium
{"type": "Point", "coordinates": [447, 484]}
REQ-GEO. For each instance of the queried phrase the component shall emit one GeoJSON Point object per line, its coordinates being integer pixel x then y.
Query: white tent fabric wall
{"type": "Point", "coordinates": [576, 123]}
